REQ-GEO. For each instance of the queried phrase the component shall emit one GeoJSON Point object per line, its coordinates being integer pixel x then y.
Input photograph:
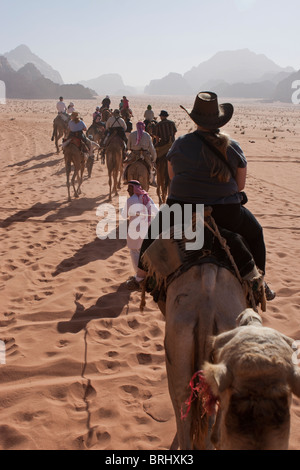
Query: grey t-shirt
{"type": "Point", "coordinates": [192, 182]}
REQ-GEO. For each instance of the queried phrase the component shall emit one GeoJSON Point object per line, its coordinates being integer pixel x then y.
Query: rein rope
{"type": "Point", "coordinates": [225, 247]}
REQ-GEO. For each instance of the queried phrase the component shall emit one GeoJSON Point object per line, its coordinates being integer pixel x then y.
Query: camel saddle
{"type": "Point", "coordinates": [167, 258]}
{"type": "Point", "coordinates": [76, 141]}
{"type": "Point", "coordinates": [162, 150]}
{"type": "Point", "coordinates": [138, 155]}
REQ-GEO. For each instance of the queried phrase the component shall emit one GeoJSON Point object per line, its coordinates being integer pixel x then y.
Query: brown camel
{"type": "Point", "coordinates": [60, 129]}
{"type": "Point", "coordinates": [105, 114]}
{"type": "Point", "coordinates": [114, 159]}
{"type": "Point", "coordinates": [97, 133]}
{"type": "Point", "coordinates": [138, 171]}
{"type": "Point", "coordinates": [203, 301]}
{"type": "Point", "coordinates": [73, 156]}
{"type": "Point", "coordinates": [253, 378]}
{"type": "Point", "coordinates": [162, 176]}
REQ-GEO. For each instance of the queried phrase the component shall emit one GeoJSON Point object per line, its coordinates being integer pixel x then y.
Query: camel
{"type": "Point", "coordinates": [60, 129]}
{"type": "Point", "coordinates": [162, 176]}
{"type": "Point", "coordinates": [114, 160]}
{"type": "Point", "coordinates": [105, 114]}
{"type": "Point", "coordinates": [200, 297]}
{"type": "Point", "coordinates": [253, 378]}
{"type": "Point", "coordinates": [203, 301]}
{"type": "Point", "coordinates": [138, 171]}
{"type": "Point", "coordinates": [74, 156]}
{"type": "Point", "coordinates": [97, 133]}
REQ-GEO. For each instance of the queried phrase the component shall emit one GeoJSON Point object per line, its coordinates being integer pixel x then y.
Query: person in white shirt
{"type": "Point", "coordinates": [60, 106]}
{"type": "Point", "coordinates": [71, 108]}
{"type": "Point", "coordinates": [115, 121]}
{"type": "Point", "coordinates": [140, 210]}
{"type": "Point", "coordinates": [148, 115]}
{"type": "Point", "coordinates": [141, 140]}
{"type": "Point", "coordinates": [140, 143]}
{"type": "Point", "coordinates": [62, 109]}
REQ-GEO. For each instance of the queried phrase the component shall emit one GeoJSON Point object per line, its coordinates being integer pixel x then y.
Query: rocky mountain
{"type": "Point", "coordinates": [233, 67]}
{"type": "Point", "coordinates": [232, 74]}
{"type": "Point", "coordinates": [257, 90]}
{"type": "Point", "coordinates": [236, 74]}
{"type": "Point", "coordinates": [22, 55]}
{"type": "Point", "coordinates": [29, 83]}
{"type": "Point", "coordinates": [109, 84]}
{"type": "Point", "coordinates": [172, 84]}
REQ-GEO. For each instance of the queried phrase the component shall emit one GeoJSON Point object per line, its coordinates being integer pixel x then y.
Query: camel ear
{"type": "Point", "coordinates": [218, 377]}
{"type": "Point", "coordinates": [294, 381]}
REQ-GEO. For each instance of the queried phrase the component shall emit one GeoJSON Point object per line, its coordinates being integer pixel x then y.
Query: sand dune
{"type": "Point", "coordinates": [84, 367]}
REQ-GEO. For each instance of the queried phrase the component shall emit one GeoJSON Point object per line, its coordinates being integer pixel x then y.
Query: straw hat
{"type": "Point", "coordinates": [75, 115]}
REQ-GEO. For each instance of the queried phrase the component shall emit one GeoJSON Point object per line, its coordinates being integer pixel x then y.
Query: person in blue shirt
{"type": "Point", "coordinates": [77, 128]}
{"type": "Point", "coordinates": [207, 167]}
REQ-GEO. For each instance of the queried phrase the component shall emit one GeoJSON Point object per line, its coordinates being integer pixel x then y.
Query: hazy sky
{"type": "Point", "coordinates": [146, 39]}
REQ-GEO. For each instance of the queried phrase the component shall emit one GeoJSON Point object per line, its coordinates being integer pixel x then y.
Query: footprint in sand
{"type": "Point", "coordinates": [11, 439]}
{"type": "Point", "coordinates": [95, 436]}
{"type": "Point", "coordinates": [11, 348]}
{"type": "Point", "coordinates": [9, 318]}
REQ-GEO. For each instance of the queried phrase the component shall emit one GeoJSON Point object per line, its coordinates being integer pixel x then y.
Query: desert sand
{"type": "Point", "coordinates": [85, 369]}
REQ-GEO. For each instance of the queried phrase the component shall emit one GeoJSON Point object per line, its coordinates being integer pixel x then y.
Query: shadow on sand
{"type": "Point", "coordinates": [107, 306]}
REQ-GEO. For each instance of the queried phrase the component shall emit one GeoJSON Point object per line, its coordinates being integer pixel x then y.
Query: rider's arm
{"type": "Point", "coordinates": [240, 177]}
{"type": "Point", "coordinates": [170, 170]}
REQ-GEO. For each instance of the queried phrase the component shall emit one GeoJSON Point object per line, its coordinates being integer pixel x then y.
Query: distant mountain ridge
{"type": "Point", "coordinates": [109, 84]}
{"type": "Point", "coordinates": [241, 65]}
{"type": "Point", "coordinates": [172, 84]}
{"type": "Point", "coordinates": [231, 74]}
{"type": "Point", "coordinates": [239, 74]}
{"type": "Point", "coordinates": [22, 55]}
{"type": "Point", "coordinates": [29, 83]}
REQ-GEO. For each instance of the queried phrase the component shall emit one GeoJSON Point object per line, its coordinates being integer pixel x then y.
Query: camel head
{"type": "Point", "coordinates": [254, 377]}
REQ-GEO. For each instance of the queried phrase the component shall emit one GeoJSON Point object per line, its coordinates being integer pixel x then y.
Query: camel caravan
{"type": "Point", "coordinates": [230, 378]}
{"type": "Point", "coordinates": [128, 155]}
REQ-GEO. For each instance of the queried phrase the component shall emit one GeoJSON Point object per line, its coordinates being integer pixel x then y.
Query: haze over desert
{"type": "Point", "coordinates": [84, 367]}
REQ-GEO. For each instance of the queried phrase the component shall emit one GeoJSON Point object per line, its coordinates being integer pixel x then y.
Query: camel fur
{"type": "Point", "coordinates": [114, 158]}
{"type": "Point", "coordinates": [60, 129]}
{"type": "Point", "coordinates": [204, 301]}
{"type": "Point", "coordinates": [73, 156]}
{"type": "Point", "coordinates": [253, 376]}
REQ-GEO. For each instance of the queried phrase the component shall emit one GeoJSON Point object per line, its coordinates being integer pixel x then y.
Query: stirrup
{"type": "Point", "coordinates": [270, 294]}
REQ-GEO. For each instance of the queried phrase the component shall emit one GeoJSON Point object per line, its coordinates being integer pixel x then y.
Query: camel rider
{"type": "Point", "coordinates": [105, 103]}
{"type": "Point", "coordinates": [62, 109]}
{"type": "Point", "coordinates": [141, 146]}
{"type": "Point", "coordinates": [76, 129]}
{"type": "Point", "coordinates": [148, 115]}
{"type": "Point", "coordinates": [71, 108]}
{"type": "Point", "coordinates": [115, 122]}
{"type": "Point", "coordinates": [165, 130]}
{"type": "Point", "coordinates": [96, 113]}
{"type": "Point", "coordinates": [140, 142]}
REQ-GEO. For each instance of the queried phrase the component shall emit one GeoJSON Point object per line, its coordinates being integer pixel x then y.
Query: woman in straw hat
{"type": "Point", "coordinates": [77, 128]}
{"type": "Point", "coordinates": [207, 167]}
